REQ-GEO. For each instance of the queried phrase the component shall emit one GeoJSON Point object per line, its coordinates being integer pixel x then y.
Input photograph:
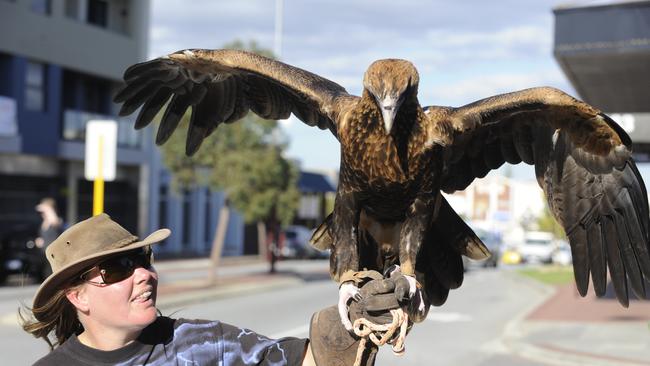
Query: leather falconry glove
{"type": "Point", "coordinates": [332, 344]}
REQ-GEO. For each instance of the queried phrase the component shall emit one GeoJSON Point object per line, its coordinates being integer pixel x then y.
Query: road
{"type": "Point", "coordinates": [470, 329]}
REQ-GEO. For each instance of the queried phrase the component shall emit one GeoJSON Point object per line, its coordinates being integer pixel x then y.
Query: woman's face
{"type": "Point", "coordinates": [129, 304]}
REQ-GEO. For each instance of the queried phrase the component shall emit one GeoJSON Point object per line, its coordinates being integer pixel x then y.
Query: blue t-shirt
{"type": "Point", "coordinates": [185, 342]}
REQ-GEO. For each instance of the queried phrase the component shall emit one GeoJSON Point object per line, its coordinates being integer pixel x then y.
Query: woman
{"type": "Point", "coordinates": [98, 307]}
{"type": "Point", "coordinates": [51, 224]}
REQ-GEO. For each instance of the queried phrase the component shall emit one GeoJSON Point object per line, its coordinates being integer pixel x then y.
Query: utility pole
{"type": "Point", "coordinates": [277, 44]}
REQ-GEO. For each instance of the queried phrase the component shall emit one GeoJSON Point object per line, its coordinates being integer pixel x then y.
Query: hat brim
{"type": "Point", "coordinates": [60, 277]}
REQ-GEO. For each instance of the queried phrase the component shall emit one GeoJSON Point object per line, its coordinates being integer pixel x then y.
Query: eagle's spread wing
{"type": "Point", "coordinates": [582, 162]}
{"type": "Point", "coordinates": [221, 86]}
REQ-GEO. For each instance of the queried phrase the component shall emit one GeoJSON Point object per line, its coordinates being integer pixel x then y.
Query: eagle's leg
{"type": "Point", "coordinates": [344, 260]}
{"type": "Point", "coordinates": [415, 226]}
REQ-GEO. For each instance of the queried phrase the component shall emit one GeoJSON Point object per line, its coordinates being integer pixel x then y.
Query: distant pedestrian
{"type": "Point", "coordinates": [51, 224]}
{"type": "Point", "coordinates": [99, 308]}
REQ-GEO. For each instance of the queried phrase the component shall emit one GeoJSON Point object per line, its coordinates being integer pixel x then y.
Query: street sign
{"type": "Point", "coordinates": [101, 150]}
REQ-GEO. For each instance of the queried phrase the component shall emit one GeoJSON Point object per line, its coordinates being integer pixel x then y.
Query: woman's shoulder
{"type": "Point", "coordinates": [61, 354]}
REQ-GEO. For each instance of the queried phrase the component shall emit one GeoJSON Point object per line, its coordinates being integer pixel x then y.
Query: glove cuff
{"type": "Point", "coordinates": [332, 344]}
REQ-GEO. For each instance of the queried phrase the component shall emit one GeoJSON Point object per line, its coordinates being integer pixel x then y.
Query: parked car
{"type": "Point", "coordinates": [562, 254]}
{"type": "Point", "coordinates": [296, 244]}
{"type": "Point", "coordinates": [510, 256]}
{"type": "Point", "coordinates": [537, 247]}
{"type": "Point", "coordinates": [493, 242]}
{"type": "Point", "coordinates": [20, 255]}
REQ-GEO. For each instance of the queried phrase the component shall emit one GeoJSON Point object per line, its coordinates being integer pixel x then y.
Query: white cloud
{"type": "Point", "coordinates": [470, 89]}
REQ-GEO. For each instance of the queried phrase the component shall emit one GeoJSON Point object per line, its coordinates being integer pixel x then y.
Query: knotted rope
{"type": "Point", "coordinates": [381, 334]}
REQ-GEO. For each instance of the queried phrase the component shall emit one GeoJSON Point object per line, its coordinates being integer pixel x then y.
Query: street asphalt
{"type": "Point", "coordinates": [563, 329]}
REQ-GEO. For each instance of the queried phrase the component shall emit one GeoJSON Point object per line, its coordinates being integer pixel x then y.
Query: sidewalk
{"type": "Point", "coordinates": [244, 275]}
{"type": "Point", "coordinates": [565, 329]}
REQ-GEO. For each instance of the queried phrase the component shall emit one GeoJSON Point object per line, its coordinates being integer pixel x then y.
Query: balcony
{"type": "Point", "coordinates": [74, 128]}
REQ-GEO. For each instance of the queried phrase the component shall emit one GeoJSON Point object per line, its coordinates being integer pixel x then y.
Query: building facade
{"type": "Point", "coordinates": [60, 63]}
{"type": "Point", "coordinates": [604, 50]}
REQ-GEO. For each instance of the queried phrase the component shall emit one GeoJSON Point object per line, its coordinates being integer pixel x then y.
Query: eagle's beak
{"type": "Point", "coordinates": [389, 106]}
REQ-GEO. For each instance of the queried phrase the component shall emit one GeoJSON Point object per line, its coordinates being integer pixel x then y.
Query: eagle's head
{"type": "Point", "coordinates": [390, 82]}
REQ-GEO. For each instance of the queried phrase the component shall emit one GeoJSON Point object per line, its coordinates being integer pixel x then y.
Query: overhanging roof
{"type": "Point", "coordinates": [605, 52]}
{"type": "Point", "coordinates": [314, 183]}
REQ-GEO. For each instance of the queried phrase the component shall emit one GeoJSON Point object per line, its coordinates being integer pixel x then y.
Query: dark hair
{"type": "Point", "coordinates": [57, 316]}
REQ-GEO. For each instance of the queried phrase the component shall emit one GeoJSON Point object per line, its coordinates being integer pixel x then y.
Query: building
{"type": "Point", "coordinates": [59, 69]}
{"type": "Point", "coordinates": [60, 64]}
{"type": "Point", "coordinates": [604, 50]}
{"type": "Point", "coordinates": [317, 195]}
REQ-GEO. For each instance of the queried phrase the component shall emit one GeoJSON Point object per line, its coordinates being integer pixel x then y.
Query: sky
{"type": "Point", "coordinates": [463, 50]}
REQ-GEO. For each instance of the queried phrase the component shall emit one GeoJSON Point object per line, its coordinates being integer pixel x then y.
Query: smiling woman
{"type": "Point", "coordinates": [99, 307]}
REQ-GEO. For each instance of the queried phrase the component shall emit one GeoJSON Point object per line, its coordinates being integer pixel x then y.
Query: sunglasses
{"type": "Point", "coordinates": [119, 268]}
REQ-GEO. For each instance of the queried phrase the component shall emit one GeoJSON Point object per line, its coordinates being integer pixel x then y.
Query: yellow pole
{"type": "Point", "coordinates": [98, 186]}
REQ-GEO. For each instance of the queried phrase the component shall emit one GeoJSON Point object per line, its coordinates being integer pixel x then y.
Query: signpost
{"type": "Point", "coordinates": [101, 151]}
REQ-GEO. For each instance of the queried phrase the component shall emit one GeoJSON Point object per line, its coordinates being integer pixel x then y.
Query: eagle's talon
{"type": "Point", "coordinates": [413, 287]}
{"type": "Point", "coordinates": [347, 291]}
{"type": "Point", "coordinates": [388, 272]}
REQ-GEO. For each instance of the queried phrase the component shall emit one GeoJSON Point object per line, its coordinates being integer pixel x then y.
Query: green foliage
{"type": "Point", "coordinates": [244, 159]}
{"type": "Point", "coordinates": [252, 46]}
{"type": "Point", "coordinates": [546, 222]}
{"type": "Point", "coordinates": [551, 275]}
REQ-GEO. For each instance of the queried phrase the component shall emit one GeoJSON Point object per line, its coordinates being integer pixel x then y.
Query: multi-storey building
{"type": "Point", "coordinates": [604, 50]}
{"type": "Point", "coordinates": [60, 64]}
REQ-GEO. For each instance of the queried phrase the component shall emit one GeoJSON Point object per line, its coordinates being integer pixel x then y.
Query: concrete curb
{"type": "Point", "coordinates": [517, 329]}
{"type": "Point", "coordinates": [557, 355]}
{"type": "Point", "coordinates": [514, 331]}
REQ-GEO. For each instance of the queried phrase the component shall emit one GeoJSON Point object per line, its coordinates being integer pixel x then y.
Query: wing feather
{"type": "Point", "coordinates": [173, 114]}
{"type": "Point", "coordinates": [597, 260]}
{"type": "Point", "coordinates": [627, 253]}
{"type": "Point", "coordinates": [583, 163]}
{"type": "Point", "coordinates": [151, 107]}
{"type": "Point", "coordinates": [233, 83]}
{"type": "Point", "coordinates": [616, 267]}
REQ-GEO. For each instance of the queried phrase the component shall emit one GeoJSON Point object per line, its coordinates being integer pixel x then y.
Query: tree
{"type": "Point", "coordinates": [245, 160]}
{"type": "Point", "coordinates": [546, 222]}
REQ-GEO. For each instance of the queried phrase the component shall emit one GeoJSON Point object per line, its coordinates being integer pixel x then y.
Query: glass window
{"type": "Point", "coordinates": [35, 86]}
{"type": "Point", "coordinates": [41, 7]}
{"type": "Point", "coordinates": [187, 214]}
{"type": "Point", "coordinates": [72, 9]}
{"type": "Point", "coordinates": [162, 209]}
{"type": "Point", "coordinates": [208, 216]}
{"type": "Point", "coordinates": [98, 12]}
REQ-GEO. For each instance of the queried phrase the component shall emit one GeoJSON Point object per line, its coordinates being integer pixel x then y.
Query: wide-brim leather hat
{"type": "Point", "coordinates": [85, 244]}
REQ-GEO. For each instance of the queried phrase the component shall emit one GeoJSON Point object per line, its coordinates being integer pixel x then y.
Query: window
{"type": "Point", "coordinates": [72, 9]}
{"type": "Point", "coordinates": [35, 86]}
{"type": "Point", "coordinates": [162, 209]}
{"type": "Point", "coordinates": [98, 12]}
{"type": "Point", "coordinates": [43, 7]}
{"type": "Point", "coordinates": [187, 214]}
{"type": "Point", "coordinates": [208, 216]}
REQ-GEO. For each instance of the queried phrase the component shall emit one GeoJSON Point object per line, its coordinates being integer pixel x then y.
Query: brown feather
{"type": "Point", "coordinates": [388, 207]}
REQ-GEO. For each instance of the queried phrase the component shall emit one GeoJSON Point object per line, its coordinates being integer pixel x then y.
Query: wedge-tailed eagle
{"type": "Point", "coordinates": [397, 157]}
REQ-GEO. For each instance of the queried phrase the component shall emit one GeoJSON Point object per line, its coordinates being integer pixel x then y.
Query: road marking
{"type": "Point", "coordinates": [448, 317]}
{"type": "Point", "coordinates": [300, 331]}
